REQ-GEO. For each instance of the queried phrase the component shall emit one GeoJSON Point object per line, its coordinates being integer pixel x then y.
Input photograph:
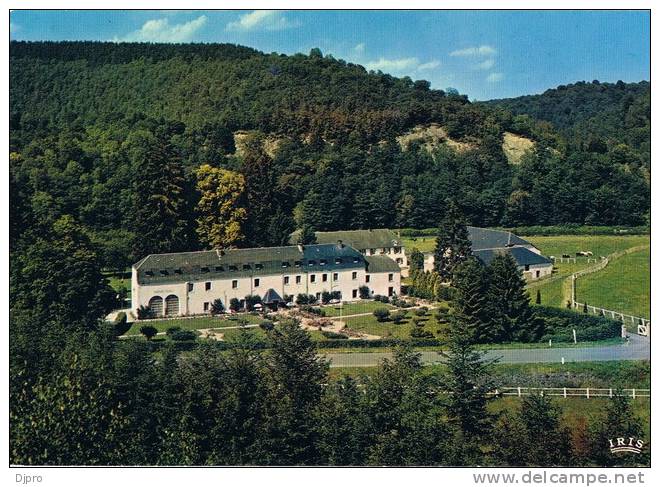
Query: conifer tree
{"type": "Point", "coordinates": [307, 235]}
{"type": "Point", "coordinates": [534, 435]}
{"type": "Point", "coordinates": [160, 213]}
{"type": "Point", "coordinates": [452, 244]}
{"type": "Point", "coordinates": [470, 300]}
{"type": "Point", "coordinates": [618, 421]}
{"type": "Point", "coordinates": [416, 260]}
{"type": "Point", "coordinates": [509, 301]}
{"type": "Point", "coordinates": [468, 382]}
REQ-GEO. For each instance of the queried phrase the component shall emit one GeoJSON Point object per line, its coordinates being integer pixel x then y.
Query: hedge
{"type": "Point", "coordinates": [560, 324]}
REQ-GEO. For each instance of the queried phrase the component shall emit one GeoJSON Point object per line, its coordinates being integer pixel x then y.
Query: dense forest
{"type": "Point", "coordinates": [614, 113]}
{"type": "Point", "coordinates": [116, 136]}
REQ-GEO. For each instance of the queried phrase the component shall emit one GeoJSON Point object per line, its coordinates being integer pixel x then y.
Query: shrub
{"type": "Point", "coordinates": [183, 336]}
{"type": "Point", "coordinates": [421, 311]}
{"type": "Point", "coordinates": [334, 336]}
{"type": "Point", "coordinates": [251, 300]}
{"type": "Point", "coordinates": [445, 293]}
{"type": "Point", "coordinates": [325, 297]}
{"type": "Point", "coordinates": [398, 317]}
{"type": "Point", "coordinates": [559, 325]}
{"type": "Point", "coordinates": [381, 314]}
{"type": "Point", "coordinates": [121, 324]}
{"type": "Point", "coordinates": [148, 331]}
{"type": "Point", "coordinates": [145, 313]}
{"type": "Point", "coordinates": [217, 307]}
{"type": "Point", "coordinates": [420, 333]}
{"type": "Point", "coordinates": [172, 330]}
{"type": "Point", "coordinates": [266, 325]}
{"type": "Point", "coordinates": [234, 304]}
{"type": "Point", "coordinates": [364, 292]}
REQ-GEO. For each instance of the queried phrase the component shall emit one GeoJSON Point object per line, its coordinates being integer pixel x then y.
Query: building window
{"type": "Point", "coordinates": [390, 291]}
{"type": "Point", "coordinates": [234, 284]}
{"type": "Point", "coordinates": [206, 306]}
{"type": "Point", "coordinates": [312, 278]}
{"type": "Point", "coordinates": [538, 273]}
{"type": "Point", "coordinates": [397, 250]}
{"type": "Point", "coordinates": [324, 278]}
{"type": "Point", "coordinates": [190, 287]}
{"type": "Point", "coordinates": [390, 277]}
{"type": "Point", "coordinates": [298, 279]}
{"type": "Point", "coordinates": [335, 276]}
{"type": "Point", "coordinates": [354, 275]}
{"type": "Point", "coordinates": [207, 286]}
{"type": "Point", "coordinates": [318, 295]}
{"type": "Point", "coordinates": [399, 260]}
{"type": "Point", "coordinates": [355, 293]}
{"type": "Point", "coordinates": [256, 282]}
{"type": "Point", "coordinates": [527, 267]}
{"type": "Point", "coordinates": [286, 280]}
{"type": "Point", "coordinates": [367, 278]}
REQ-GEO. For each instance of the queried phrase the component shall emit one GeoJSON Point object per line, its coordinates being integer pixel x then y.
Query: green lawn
{"type": "Point", "coordinates": [624, 285]}
{"type": "Point", "coordinates": [423, 244]}
{"type": "Point", "coordinates": [551, 292]}
{"type": "Point", "coordinates": [355, 308]}
{"type": "Point", "coordinates": [388, 329]}
{"type": "Point", "coordinates": [194, 323]}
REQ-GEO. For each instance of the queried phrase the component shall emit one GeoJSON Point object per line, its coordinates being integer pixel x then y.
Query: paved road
{"type": "Point", "coordinates": [638, 348]}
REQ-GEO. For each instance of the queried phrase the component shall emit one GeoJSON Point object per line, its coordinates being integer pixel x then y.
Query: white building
{"type": "Point", "coordinates": [187, 283]}
{"type": "Point", "coordinates": [378, 241]}
{"type": "Point", "coordinates": [487, 243]}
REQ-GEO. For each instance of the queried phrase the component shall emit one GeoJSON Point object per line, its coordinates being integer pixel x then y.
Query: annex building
{"type": "Point", "coordinates": [487, 243]}
{"type": "Point", "coordinates": [187, 283]}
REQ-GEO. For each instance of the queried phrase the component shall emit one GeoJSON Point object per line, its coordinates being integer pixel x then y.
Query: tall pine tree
{"type": "Point", "coordinates": [470, 299]}
{"type": "Point", "coordinates": [452, 244]}
{"type": "Point", "coordinates": [160, 214]}
{"type": "Point", "coordinates": [512, 315]}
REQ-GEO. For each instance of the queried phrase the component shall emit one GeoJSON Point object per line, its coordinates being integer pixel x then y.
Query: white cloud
{"type": "Point", "coordinates": [359, 48]}
{"type": "Point", "coordinates": [160, 30]}
{"type": "Point", "coordinates": [429, 65]}
{"type": "Point", "coordinates": [479, 51]}
{"type": "Point", "coordinates": [495, 77]}
{"type": "Point", "coordinates": [261, 20]}
{"type": "Point", "coordinates": [393, 65]}
{"type": "Point", "coordinates": [485, 65]}
{"type": "Point", "coordinates": [401, 66]}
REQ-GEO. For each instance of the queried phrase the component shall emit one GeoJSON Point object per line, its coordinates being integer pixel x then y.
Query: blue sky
{"type": "Point", "coordinates": [484, 54]}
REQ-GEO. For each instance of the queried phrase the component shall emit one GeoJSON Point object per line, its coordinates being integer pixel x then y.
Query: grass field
{"type": "Point", "coordinates": [193, 323]}
{"type": "Point", "coordinates": [624, 285]}
{"type": "Point", "coordinates": [388, 329]}
{"type": "Point", "coordinates": [355, 308]}
{"type": "Point", "coordinates": [600, 283]}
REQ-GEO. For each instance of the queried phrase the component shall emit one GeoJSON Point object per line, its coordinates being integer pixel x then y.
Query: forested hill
{"type": "Point", "coordinates": [613, 113]}
{"type": "Point", "coordinates": [160, 148]}
{"type": "Point", "coordinates": [236, 87]}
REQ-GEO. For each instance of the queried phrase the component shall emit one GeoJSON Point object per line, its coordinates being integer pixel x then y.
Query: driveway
{"type": "Point", "coordinates": [637, 348]}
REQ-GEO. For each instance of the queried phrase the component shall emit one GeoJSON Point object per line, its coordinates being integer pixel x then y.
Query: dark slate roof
{"type": "Point", "coordinates": [271, 296]}
{"type": "Point", "coordinates": [359, 239]}
{"type": "Point", "coordinates": [381, 263]}
{"type": "Point", "coordinates": [485, 238]}
{"type": "Point", "coordinates": [234, 263]}
{"type": "Point", "coordinates": [522, 256]}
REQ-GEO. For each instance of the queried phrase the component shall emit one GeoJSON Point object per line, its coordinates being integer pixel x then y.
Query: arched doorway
{"type": "Point", "coordinates": [172, 305]}
{"type": "Point", "coordinates": [156, 305]}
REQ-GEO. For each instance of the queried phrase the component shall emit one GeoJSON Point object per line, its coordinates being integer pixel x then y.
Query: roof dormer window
{"type": "Point", "coordinates": [219, 268]}
{"type": "Point", "coordinates": [149, 273]}
{"type": "Point", "coordinates": [177, 272]}
{"type": "Point", "coordinates": [285, 264]}
{"type": "Point", "coordinates": [298, 263]}
{"type": "Point", "coordinates": [311, 262]}
{"type": "Point", "coordinates": [246, 267]}
{"type": "Point", "coordinates": [258, 266]}
{"type": "Point", "coordinates": [164, 273]}
{"type": "Point", "coordinates": [338, 260]}
{"type": "Point", "coordinates": [205, 269]}
{"type": "Point", "coordinates": [233, 268]}
{"type": "Point", "coordinates": [323, 262]}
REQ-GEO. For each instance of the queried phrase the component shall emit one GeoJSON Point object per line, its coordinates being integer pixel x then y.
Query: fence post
{"type": "Point", "coordinates": [564, 393]}
{"type": "Point", "coordinates": [519, 394]}
{"type": "Point", "coordinates": [587, 393]}
{"type": "Point", "coordinates": [633, 394]}
{"type": "Point", "coordinates": [610, 392]}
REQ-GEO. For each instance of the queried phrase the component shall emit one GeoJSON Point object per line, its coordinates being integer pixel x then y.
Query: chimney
{"type": "Point", "coordinates": [300, 247]}
{"type": "Point", "coordinates": [340, 244]}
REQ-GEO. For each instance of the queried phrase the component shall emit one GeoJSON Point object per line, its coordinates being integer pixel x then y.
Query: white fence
{"type": "Point", "coordinates": [643, 325]}
{"type": "Point", "coordinates": [566, 392]}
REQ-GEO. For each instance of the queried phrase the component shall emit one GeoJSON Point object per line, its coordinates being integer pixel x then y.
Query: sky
{"type": "Point", "coordinates": [484, 54]}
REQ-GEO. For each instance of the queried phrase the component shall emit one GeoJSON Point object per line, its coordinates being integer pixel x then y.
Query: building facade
{"type": "Point", "coordinates": [188, 283]}
{"type": "Point", "coordinates": [379, 241]}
